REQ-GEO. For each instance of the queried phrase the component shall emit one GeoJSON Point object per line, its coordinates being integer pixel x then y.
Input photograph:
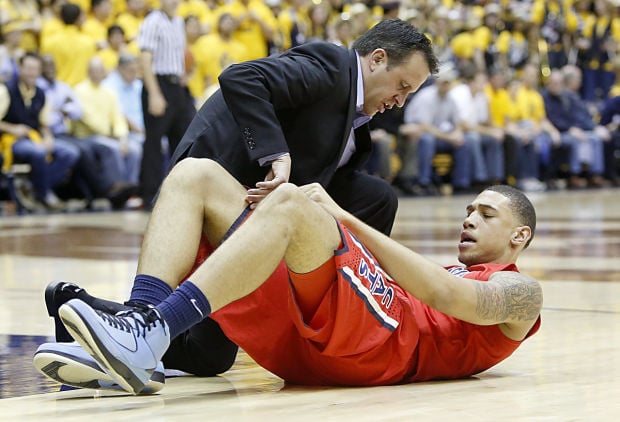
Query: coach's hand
{"type": "Point", "coordinates": [279, 173]}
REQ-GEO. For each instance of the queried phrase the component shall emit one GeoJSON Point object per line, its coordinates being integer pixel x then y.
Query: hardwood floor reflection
{"type": "Point", "coordinates": [568, 371]}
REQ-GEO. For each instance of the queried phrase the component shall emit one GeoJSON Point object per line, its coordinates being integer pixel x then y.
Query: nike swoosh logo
{"type": "Point", "coordinates": [195, 303]}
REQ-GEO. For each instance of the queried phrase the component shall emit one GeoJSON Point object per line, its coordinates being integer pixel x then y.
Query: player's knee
{"type": "Point", "coordinates": [193, 173]}
{"type": "Point", "coordinates": [285, 200]}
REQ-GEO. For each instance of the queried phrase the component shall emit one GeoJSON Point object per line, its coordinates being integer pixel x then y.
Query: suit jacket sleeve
{"type": "Point", "coordinates": [255, 91]}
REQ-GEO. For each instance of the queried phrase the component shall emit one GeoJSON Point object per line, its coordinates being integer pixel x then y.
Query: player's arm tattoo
{"type": "Point", "coordinates": [508, 296]}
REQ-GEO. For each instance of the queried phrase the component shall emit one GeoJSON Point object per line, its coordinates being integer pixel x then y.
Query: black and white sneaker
{"type": "Point", "coordinates": [69, 364]}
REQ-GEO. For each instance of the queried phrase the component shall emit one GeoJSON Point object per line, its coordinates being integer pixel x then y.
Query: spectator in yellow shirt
{"type": "Point", "coordinates": [70, 48]}
{"type": "Point", "coordinates": [256, 25]}
{"type": "Point", "coordinates": [52, 22]}
{"type": "Point", "coordinates": [602, 33]}
{"type": "Point", "coordinates": [132, 18]}
{"type": "Point", "coordinates": [116, 46]}
{"type": "Point", "coordinates": [200, 9]}
{"type": "Point", "coordinates": [96, 23]}
{"type": "Point", "coordinates": [537, 137]}
{"type": "Point", "coordinates": [554, 21]}
{"type": "Point", "coordinates": [294, 24]}
{"type": "Point", "coordinates": [214, 53]}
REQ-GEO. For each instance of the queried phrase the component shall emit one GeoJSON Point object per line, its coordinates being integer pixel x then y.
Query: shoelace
{"type": "Point", "coordinates": [143, 320]}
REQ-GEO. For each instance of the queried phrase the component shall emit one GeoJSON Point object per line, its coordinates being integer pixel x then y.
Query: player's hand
{"type": "Point", "coordinates": [279, 173]}
{"type": "Point", "coordinates": [317, 193]}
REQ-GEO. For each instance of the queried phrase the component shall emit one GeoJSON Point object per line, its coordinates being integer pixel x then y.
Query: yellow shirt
{"type": "Point", "coordinates": [463, 45]}
{"type": "Point", "coordinates": [130, 24]}
{"type": "Point", "coordinates": [500, 106]}
{"type": "Point", "coordinates": [212, 55]}
{"type": "Point", "coordinates": [250, 33]}
{"type": "Point", "coordinates": [483, 37]}
{"type": "Point", "coordinates": [529, 105]}
{"type": "Point", "coordinates": [506, 37]}
{"type": "Point", "coordinates": [110, 57]}
{"type": "Point", "coordinates": [95, 29]}
{"type": "Point", "coordinates": [538, 12]}
{"type": "Point", "coordinates": [198, 8]}
{"type": "Point", "coordinates": [71, 51]}
{"type": "Point", "coordinates": [51, 26]}
{"type": "Point", "coordinates": [287, 19]}
{"type": "Point", "coordinates": [102, 112]}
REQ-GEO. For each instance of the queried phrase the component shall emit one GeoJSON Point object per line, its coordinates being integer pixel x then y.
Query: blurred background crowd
{"type": "Point", "coordinates": [528, 92]}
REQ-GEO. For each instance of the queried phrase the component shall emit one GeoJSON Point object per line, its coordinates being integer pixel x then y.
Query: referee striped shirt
{"type": "Point", "coordinates": [164, 37]}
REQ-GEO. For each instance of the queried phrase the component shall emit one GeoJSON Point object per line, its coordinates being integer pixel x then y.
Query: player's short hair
{"type": "Point", "coordinates": [399, 39]}
{"type": "Point", "coordinates": [520, 205]}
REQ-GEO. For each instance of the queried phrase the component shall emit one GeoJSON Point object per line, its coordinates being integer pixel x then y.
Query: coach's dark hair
{"type": "Point", "coordinates": [399, 40]}
{"type": "Point", "coordinates": [520, 205]}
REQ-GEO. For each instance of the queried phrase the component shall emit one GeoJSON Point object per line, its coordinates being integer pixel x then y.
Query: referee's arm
{"type": "Point", "coordinates": [156, 101]}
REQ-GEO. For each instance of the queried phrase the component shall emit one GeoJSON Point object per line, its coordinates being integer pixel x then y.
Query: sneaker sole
{"type": "Point", "coordinates": [68, 369]}
{"type": "Point", "coordinates": [131, 380]}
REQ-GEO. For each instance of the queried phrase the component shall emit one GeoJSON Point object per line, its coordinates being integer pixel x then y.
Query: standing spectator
{"type": "Point", "coordinates": [432, 122]}
{"type": "Point", "coordinates": [294, 23]}
{"type": "Point", "coordinates": [26, 137]}
{"type": "Point", "coordinates": [602, 33]}
{"type": "Point", "coordinates": [555, 23]}
{"type": "Point", "coordinates": [70, 48]}
{"type": "Point", "coordinates": [215, 52]}
{"type": "Point", "coordinates": [131, 19]}
{"type": "Point", "coordinates": [96, 23]}
{"type": "Point", "coordinates": [168, 106]}
{"type": "Point", "coordinates": [256, 25]}
{"type": "Point", "coordinates": [104, 123]}
{"type": "Point", "coordinates": [585, 145]}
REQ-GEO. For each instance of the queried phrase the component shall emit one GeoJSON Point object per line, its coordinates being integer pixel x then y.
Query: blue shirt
{"type": "Point", "coordinates": [129, 95]}
{"type": "Point", "coordinates": [62, 103]}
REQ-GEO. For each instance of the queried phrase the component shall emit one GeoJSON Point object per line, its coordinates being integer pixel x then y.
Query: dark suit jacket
{"type": "Point", "coordinates": [301, 102]}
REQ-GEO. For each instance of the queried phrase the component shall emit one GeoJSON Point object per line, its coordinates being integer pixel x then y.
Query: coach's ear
{"type": "Point", "coordinates": [520, 236]}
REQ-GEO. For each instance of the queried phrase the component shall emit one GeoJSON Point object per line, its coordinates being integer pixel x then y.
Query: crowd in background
{"type": "Point", "coordinates": [527, 93]}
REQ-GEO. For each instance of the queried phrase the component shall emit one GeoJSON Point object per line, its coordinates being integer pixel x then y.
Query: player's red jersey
{"type": "Point", "coordinates": [366, 331]}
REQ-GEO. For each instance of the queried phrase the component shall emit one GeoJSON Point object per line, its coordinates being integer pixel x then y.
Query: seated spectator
{"type": "Point", "coordinates": [585, 145]}
{"type": "Point", "coordinates": [432, 125]}
{"type": "Point", "coordinates": [104, 124]}
{"type": "Point", "coordinates": [70, 48]}
{"type": "Point", "coordinates": [26, 137]}
{"type": "Point", "coordinates": [485, 138]}
{"type": "Point", "coordinates": [91, 179]}
{"type": "Point", "coordinates": [384, 128]}
{"type": "Point", "coordinates": [127, 86]}
{"type": "Point", "coordinates": [501, 112]}
{"type": "Point", "coordinates": [537, 139]}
